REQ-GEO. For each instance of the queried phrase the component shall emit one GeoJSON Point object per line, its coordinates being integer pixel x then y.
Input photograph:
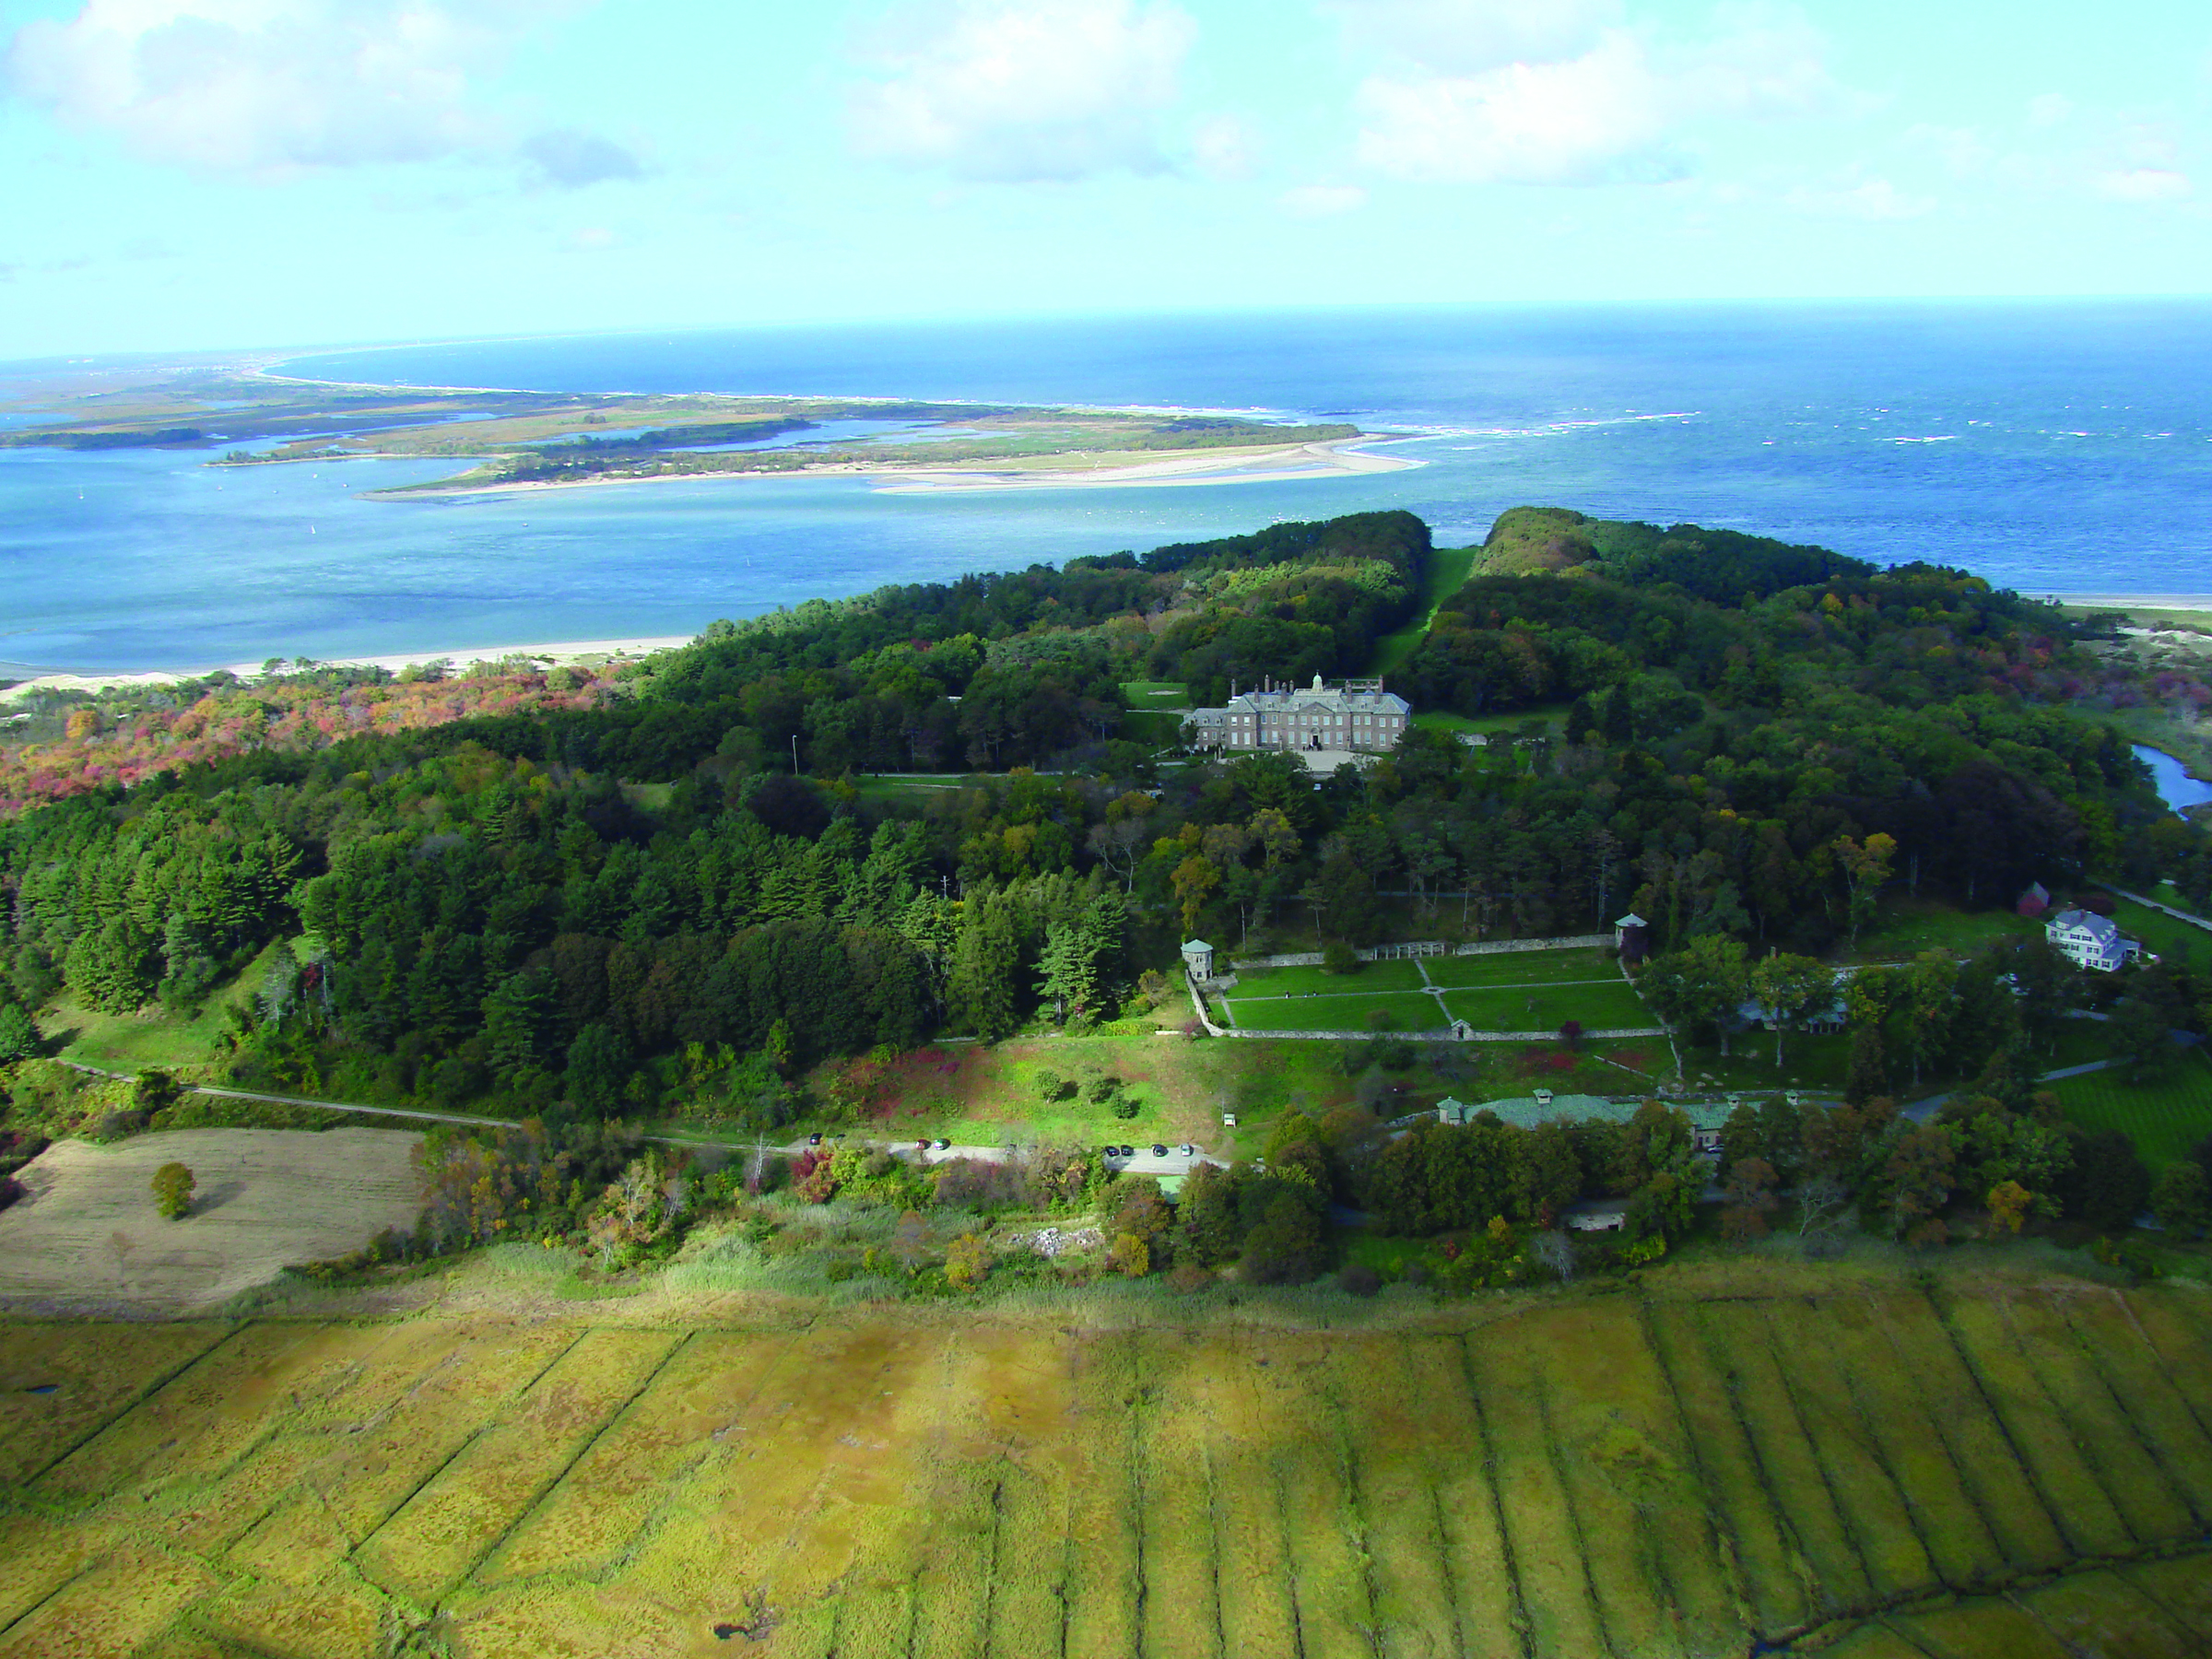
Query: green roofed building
{"type": "Point", "coordinates": [1525, 1111]}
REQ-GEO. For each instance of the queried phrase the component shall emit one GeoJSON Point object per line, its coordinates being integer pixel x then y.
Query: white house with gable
{"type": "Point", "coordinates": [2089, 940]}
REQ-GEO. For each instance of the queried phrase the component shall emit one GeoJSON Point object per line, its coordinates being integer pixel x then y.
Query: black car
{"type": "Point", "coordinates": [1128, 1151]}
{"type": "Point", "coordinates": [1158, 1150]}
{"type": "Point", "coordinates": [814, 1139]}
{"type": "Point", "coordinates": [944, 1144]}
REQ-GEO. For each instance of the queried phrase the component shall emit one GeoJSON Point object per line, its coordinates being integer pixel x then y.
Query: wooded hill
{"type": "Point", "coordinates": [492, 909]}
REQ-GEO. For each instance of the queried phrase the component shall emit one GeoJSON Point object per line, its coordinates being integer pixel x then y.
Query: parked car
{"type": "Point", "coordinates": [944, 1144]}
{"type": "Point", "coordinates": [1186, 1149]}
{"type": "Point", "coordinates": [1158, 1150]}
{"type": "Point", "coordinates": [814, 1139]}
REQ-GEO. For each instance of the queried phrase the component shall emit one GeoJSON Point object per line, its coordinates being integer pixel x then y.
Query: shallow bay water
{"type": "Point", "coordinates": [2054, 447]}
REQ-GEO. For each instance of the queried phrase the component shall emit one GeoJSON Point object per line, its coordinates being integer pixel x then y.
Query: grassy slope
{"type": "Point", "coordinates": [1448, 571]}
{"type": "Point", "coordinates": [128, 1041]}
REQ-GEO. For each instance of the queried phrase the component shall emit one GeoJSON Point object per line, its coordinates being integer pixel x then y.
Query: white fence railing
{"type": "Point", "coordinates": [1428, 947]}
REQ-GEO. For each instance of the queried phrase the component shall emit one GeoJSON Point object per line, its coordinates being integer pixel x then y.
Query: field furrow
{"type": "Point", "coordinates": [1621, 1442]}
{"type": "Point", "coordinates": [1951, 1527]}
{"type": "Point", "coordinates": [2147, 1503]}
{"type": "Point", "coordinates": [112, 1611]}
{"type": "Point", "coordinates": [1395, 1457]}
{"type": "Point", "coordinates": [1539, 1520]}
{"type": "Point", "coordinates": [1875, 1512]}
{"type": "Point", "coordinates": [1989, 1466]}
{"type": "Point", "coordinates": [372, 1473]}
{"type": "Point", "coordinates": [1765, 1555]}
{"type": "Point", "coordinates": [1584, 1476]}
{"type": "Point", "coordinates": [1984, 1628]}
{"type": "Point", "coordinates": [2181, 1588]}
{"type": "Point", "coordinates": [462, 1513]}
{"type": "Point", "coordinates": [1328, 1537]}
{"type": "Point", "coordinates": [1736, 1341]}
{"type": "Point", "coordinates": [2036, 1429]}
{"type": "Point", "coordinates": [57, 1392]}
{"type": "Point", "coordinates": [1106, 1576]}
{"type": "Point", "coordinates": [2105, 1614]}
{"type": "Point", "coordinates": [1251, 1547]}
{"type": "Point", "coordinates": [1477, 1569]}
{"type": "Point", "coordinates": [1175, 1427]}
{"type": "Point", "coordinates": [609, 1496]}
{"type": "Point", "coordinates": [1028, 1593]}
{"type": "Point", "coordinates": [2110, 1339]}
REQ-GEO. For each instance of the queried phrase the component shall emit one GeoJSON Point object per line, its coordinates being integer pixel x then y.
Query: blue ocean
{"type": "Point", "coordinates": [2057, 447]}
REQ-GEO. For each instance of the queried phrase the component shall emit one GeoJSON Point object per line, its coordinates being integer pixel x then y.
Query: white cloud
{"type": "Point", "coordinates": [570, 160]}
{"type": "Point", "coordinates": [1871, 199]}
{"type": "Point", "coordinates": [1021, 90]}
{"type": "Point", "coordinates": [1319, 201]}
{"type": "Point", "coordinates": [274, 85]}
{"type": "Point", "coordinates": [1224, 147]}
{"type": "Point", "coordinates": [2145, 184]}
{"type": "Point", "coordinates": [2049, 108]}
{"type": "Point", "coordinates": [1467, 37]}
{"type": "Point", "coordinates": [1612, 114]}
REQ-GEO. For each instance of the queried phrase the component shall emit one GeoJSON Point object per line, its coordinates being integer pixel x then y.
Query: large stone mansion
{"type": "Point", "coordinates": [1355, 714]}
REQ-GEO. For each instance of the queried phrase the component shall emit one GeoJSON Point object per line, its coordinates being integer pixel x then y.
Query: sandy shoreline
{"type": "Point", "coordinates": [548, 654]}
{"type": "Point", "coordinates": [1333, 458]}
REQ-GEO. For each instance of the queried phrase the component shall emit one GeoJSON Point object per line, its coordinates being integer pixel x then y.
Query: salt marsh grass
{"type": "Point", "coordinates": [1628, 1471]}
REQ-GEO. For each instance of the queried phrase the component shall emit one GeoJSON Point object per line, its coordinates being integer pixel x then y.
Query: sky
{"type": "Point", "coordinates": [198, 175]}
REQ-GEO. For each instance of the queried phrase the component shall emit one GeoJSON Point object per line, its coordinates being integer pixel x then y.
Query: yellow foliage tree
{"type": "Point", "coordinates": [967, 1262]}
{"type": "Point", "coordinates": [2008, 1202]}
{"type": "Point", "coordinates": [1130, 1255]}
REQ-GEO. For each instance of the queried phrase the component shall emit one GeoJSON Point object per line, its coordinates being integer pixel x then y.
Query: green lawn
{"type": "Point", "coordinates": [131, 1041]}
{"type": "Point", "coordinates": [1523, 968]}
{"type": "Point", "coordinates": [1905, 926]}
{"type": "Point", "coordinates": [1807, 1063]}
{"type": "Point", "coordinates": [2163, 1118]}
{"type": "Point", "coordinates": [1368, 979]}
{"type": "Point", "coordinates": [1335, 1011]}
{"type": "Point", "coordinates": [2168, 937]}
{"type": "Point", "coordinates": [1546, 1007]}
{"type": "Point", "coordinates": [1157, 694]}
{"type": "Point", "coordinates": [1551, 716]}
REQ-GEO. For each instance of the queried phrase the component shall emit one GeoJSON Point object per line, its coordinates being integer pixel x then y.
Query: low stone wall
{"type": "Point", "coordinates": [1311, 959]}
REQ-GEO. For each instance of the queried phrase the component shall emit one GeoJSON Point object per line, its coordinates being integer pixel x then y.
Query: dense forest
{"type": "Point", "coordinates": [623, 894]}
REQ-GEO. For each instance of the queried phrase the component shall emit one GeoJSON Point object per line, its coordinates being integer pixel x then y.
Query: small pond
{"type": "Point", "coordinates": [2176, 787]}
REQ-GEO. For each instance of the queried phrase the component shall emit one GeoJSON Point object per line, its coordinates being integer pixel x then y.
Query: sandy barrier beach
{"type": "Point", "coordinates": [1333, 458]}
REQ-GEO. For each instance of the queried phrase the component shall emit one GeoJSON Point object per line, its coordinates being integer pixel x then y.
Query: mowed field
{"type": "Point", "coordinates": [1627, 1474]}
{"type": "Point", "coordinates": [87, 1233]}
{"type": "Point", "coordinates": [2165, 1118]}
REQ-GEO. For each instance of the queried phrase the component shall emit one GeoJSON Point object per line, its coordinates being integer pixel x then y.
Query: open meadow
{"type": "Point", "coordinates": [1713, 1458]}
{"type": "Point", "coordinates": [87, 1235]}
